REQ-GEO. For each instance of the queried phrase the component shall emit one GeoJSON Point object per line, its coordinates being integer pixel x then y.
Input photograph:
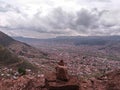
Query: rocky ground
{"type": "Point", "coordinates": [12, 80]}
{"type": "Point", "coordinates": [109, 81]}
{"type": "Point", "coordinates": [21, 83]}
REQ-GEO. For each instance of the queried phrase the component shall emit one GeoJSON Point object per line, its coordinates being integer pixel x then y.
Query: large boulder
{"type": "Point", "coordinates": [54, 84]}
{"type": "Point", "coordinates": [61, 73]}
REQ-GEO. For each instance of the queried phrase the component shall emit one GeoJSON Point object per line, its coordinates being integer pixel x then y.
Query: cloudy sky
{"type": "Point", "coordinates": [51, 18]}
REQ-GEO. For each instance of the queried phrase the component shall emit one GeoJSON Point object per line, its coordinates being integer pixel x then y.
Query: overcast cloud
{"type": "Point", "coordinates": [51, 18]}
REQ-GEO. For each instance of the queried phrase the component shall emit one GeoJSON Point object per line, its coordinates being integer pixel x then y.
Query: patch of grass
{"type": "Point", "coordinates": [21, 71]}
{"type": "Point", "coordinates": [6, 57]}
{"type": "Point", "coordinates": [26, 65]}
{"type": "Point", "coordinates": [10, 60]}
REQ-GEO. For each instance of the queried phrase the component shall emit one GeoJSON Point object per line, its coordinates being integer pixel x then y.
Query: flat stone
{"type": "Point", "coordinates": [53, 84]}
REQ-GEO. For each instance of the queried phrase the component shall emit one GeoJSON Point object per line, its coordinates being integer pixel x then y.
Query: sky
{"type": "Point", "coordinates": [52, 18]}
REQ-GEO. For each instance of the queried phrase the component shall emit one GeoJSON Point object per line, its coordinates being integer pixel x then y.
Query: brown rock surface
{"type": "Point", "coordinates": [110, 81]}
{"type": "Point", "coordinates": [61, 71]}
{"type": "Point", "coordinates": [22, 83]}
{"type": "Point", "coordinates": [53, 84]}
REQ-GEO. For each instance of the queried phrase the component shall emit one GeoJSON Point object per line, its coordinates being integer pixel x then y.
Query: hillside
{"type": "Point", "coordinates": [10, 43]}
{"type": "Point", "coordinates": [5, 40]}
{"type": "Point", "coordinates": [10, 60]}
{"type": "Point", "coordinates": [6, 58]}
{"type": "Point", "coordinates": [19, 49]}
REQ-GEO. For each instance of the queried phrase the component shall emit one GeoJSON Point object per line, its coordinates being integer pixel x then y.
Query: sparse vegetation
{"type": "Point", "coordinates": [25, 64]}
{"type": "Point", "coordinates": [6, 57]}
{"type": "Point", "coordinates": [21, 71]}
{"type": "Point", "coordinates": [9, 59]}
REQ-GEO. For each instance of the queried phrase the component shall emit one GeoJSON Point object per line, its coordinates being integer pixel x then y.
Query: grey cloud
{"type": "Point", "coordinates": [60, 19]}
{"type": "Point", "coordinates": [107, 25]}
{"type": "Point", "coordinates": [79, 22]}
{"type": "Point", "coordinates": [5, 7]}
{"type": "Point", "coordinates": [99, 0]}
{"type": "Point", "coordinates": [86, 18]}
{"type": "Point", "coordinates": [104, 0]}
{"type": "Point", "coordinates": [60, 22]}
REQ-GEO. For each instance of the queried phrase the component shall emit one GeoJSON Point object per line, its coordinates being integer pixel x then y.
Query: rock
{"type": "Point", "coordinates": [66, 87]}
{"type": "Point", "coordinates": [61, 73]}
{"type": "Point", "coordinates": [60, 80]}
{"type": "Point", "coordinates": [2, 74]}
{"type": "Point", "coordinates": [28, 70]}
{"type": "Point", "coordinates": [53, 84]}
{"type": "Point", "coordinates": [8, 75]}
{"type": "Point", "coordinates": [14, 77]}
{"type": "Point", "coordinates": [16, 73]}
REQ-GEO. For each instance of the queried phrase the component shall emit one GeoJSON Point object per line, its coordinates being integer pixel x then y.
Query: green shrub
{"type": "Point", "coordinates": [21, 71]}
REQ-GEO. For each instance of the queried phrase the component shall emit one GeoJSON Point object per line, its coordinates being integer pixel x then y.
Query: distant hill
{"type": "Point", "coordinates": [88, 40]}
{"type": "Point", "coordinates": [75, 40]}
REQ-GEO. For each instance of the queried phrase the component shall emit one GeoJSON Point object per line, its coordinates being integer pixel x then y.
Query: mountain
{"type": "Point", "coordinates": [5, 40]}
{"type": "Point", "coordinates": [13, 51]}
{"type": "Point", "coordinates": [19, 48]}
{"type": "Point", "coordinates": [74, 40]}
{"type": "Point", "coordinates": [10, 52]}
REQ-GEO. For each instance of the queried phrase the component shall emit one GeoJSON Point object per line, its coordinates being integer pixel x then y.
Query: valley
{"type": "Point", "coordinates": [83, 59]}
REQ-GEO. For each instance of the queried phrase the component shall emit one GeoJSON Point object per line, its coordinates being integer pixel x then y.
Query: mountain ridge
{"type": "Point", "coordinates": [18, 52]}
{"type": "Point", "coordinates": [76, 40]}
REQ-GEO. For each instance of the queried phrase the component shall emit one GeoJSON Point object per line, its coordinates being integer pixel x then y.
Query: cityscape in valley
{"type": "Point", "coordinates": [59, 45]}
{"type": "Point", "coordinates": [83, 55]}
